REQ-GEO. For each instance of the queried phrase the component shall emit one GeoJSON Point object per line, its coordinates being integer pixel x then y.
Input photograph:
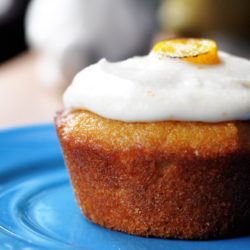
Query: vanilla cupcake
{"type": "Point", "coordinates": [159, 145]}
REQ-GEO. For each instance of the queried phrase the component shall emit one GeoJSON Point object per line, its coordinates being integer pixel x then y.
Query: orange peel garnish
{"type": "Point", "coordinates": [194, 50]}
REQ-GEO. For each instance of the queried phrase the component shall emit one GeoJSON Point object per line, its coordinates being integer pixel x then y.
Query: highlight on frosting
{"type": "Point", "coordinates": [153, 88]}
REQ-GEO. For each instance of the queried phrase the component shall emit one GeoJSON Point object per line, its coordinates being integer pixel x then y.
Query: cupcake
{"type": "Point", "coordinates": [159, 145]}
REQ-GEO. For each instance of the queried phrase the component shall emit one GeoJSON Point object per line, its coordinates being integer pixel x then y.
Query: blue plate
{"type": "Point", "coordinates": [37, 207]}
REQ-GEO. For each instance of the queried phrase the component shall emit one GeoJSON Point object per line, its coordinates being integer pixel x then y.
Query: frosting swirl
{"type": "Point", "coordinates": [143, 89]}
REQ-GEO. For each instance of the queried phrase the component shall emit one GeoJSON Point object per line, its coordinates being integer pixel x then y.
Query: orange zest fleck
{"type": "Point", "coordinates": [194, 50]}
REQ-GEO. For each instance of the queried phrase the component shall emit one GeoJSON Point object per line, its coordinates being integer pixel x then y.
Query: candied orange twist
{"type": "Point", "coordinates": [195, 50]}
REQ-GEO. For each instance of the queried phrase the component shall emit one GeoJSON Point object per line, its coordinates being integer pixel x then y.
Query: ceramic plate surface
{"type": "Point", "coordinates": [38, 210]}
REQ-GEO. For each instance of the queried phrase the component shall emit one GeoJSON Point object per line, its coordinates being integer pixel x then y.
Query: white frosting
{"type": "Point", "coordinates": [151, 89]}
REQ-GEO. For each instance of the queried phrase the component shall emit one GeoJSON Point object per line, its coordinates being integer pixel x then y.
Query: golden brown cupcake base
{"type": "Point", "coordinates": [185, 180]}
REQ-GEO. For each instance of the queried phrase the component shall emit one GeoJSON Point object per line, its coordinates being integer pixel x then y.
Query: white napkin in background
{"type": "Point", "coordinates": [71, 34]}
